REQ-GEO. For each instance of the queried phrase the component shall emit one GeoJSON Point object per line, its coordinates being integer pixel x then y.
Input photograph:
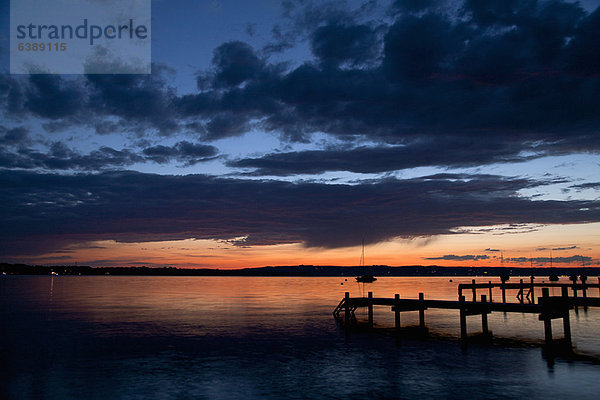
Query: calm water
{"type": "Point", "coordinates": [263, 338]}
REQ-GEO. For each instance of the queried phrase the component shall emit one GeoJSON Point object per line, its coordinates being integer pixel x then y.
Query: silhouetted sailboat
{"type": "Point", "coordinates": [365, 278]}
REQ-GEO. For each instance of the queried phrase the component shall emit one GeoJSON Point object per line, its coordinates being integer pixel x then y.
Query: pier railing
{"type": "Point", "coordinates": [526, 290]}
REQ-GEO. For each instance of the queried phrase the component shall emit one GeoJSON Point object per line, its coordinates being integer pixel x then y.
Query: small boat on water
{"type": "Point", "coordinates": [365, 278]}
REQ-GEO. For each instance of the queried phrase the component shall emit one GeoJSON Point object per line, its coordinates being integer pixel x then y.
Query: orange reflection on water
{"type": "Point", "coordinates": [233, 306]}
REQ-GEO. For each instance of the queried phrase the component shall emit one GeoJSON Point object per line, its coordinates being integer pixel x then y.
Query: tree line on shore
{"type": "Point", "coordinates": [299, 270]}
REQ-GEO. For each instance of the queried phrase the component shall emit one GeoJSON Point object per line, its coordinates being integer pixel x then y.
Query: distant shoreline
{"type": "Point", "coordinates": [300, 270]}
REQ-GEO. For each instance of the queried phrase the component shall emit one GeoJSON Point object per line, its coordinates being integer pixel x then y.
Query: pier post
{"type": "Point", "coordinates": [463, 319]}
{"type": "Point", "coordinates": [521, 294]}
{"type": "Point", "coordinates": [347, 309]}
{"type": "Point", "coordinates": [397, 316]}
{"type": "Point", "coordinates": [370, 306]}
{"type": "Point", "coordinates": [566, 321]}
{"type": "Point", "coordinates": [474, 291]}
{"type": "Point", "coordinates": [583, 289]}
{"type": "Point", "coordinates": [547, 319]}
{"type": "Point", "coordinates": [490, 291]}
{"type": "Point", "coordinates": [574, 280]}
{"type": "Point", "coordinates": [503, 286]}
{"type": "Point", "coordinates": [532, 290]}
{"type": "Point", "coordinates": [484, 318]}
{"type": "Point", "coordinates": [421, 312]}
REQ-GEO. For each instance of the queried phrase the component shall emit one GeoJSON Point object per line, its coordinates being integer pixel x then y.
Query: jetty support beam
{"type": "Point", "coordinates": [347, 309]}
{"type": "Point", "coordinates": [397, 317]}
{"type": "Point", "coordinates": [422, 314]}
{"type": "Point", "coordinates": [546, 317]}
{"type": "Point", "coordinates": [463, 319]}
{"type": "Point", "coordinates": [370, 307]}
{"type": "Point", "coordinates": [566, 321]}
{"type": "Point", "coordinates": [484, 318]}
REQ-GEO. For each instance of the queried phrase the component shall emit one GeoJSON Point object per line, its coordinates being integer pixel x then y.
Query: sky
{"type": "Point", "coordinates": [458, 132]}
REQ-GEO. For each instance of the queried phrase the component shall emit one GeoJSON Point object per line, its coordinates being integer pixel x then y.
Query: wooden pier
{"type": "Point", "coordinates": [526, 290]}
{"type": "Point", "coordinates": [547, 307]}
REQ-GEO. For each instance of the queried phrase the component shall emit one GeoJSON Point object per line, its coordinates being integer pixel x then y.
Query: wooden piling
{"type": "Point", "coordinates": [583, 289]}
{"type": "Point", "coordinates": [574, 280]}
{"type": "Point", "coordinates": [463, 319]}
{"type": "Point", "coordinates": [547, 319]}
{"type": "Point", "coordinates": [532, 290]}
{"type": "Point", "coordinates": [347, 309]}
{"type": "Point", "coordinates": [397, 317]}
{"type": "Point", "coordinates": [370, 307]}
{"type": "Point", "coordinates": [503, 287]}
{"type": "Point", "coordinates": [566, 321]}
{"type": "Point", "coordinates": [474, 291]}
{"type": "Point", "coordinates": [484, 318]}
{"type": "Point", "coordinates": [490, 291]}
{"type": "Point", "coordinates": [521, 294]}
{"type": "Point", "coordinates": [421, 312]}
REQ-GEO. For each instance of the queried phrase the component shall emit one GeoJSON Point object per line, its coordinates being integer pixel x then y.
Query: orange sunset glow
{"type": "Point", "coordinates": [536, 246]}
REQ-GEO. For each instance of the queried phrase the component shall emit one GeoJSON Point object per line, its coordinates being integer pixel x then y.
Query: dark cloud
{"type": "Point", "coordinates": [498, 12]}
{"type": "Point", "coordinates": [48, 211]}
{"type": "Point", "coordinates": [452, 257]}
{"type": "Point", "coordinates": [500, 230]}
{"type": "Point", "coordinates": [307, 15]}
{"type": "Point", "coordinates": [187, 152]}
{"type": "Point", "coordinates": [557, 248]}
{"type": "Point", "coordinates": [416, 47]}
{"type": "Point", "coordinates": [449, 152]}
{"type": "Point", "coordinates": [493, 250]}
{"type": "Point", "coordinates": [565, 248]}
{"type": "Point", "coordinates": [589, 185]}
{"type": "Point", "coordinates": [576, 259]}
{"type": "Point", "coordinates": [138, 99]}
{"type": "Point", "coordinates": [339, 44]}
{"type": "Point", "coordinates": [13, 96]}
{"type": "Point", "coordinates": [14, 136]}
{"type": "Point", "coordinates": [235, 62]}
{"type": "Point", "coordinates": [53, 97]}
{"type": "Point", "coordinates": [226, 125]}
{"type": "Point", "coordinates": [60, 157]}
{"type": "Point", "coordinates": [415, 5]}
{"type": "Point", "coordinates": [459, 84]}
{"type": "Point", "coordinates": [580, 59]}
{"type": "Point", "coordinates": [499, 76]}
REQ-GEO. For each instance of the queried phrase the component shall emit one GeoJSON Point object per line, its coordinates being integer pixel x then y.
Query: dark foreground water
{"type": "Point", "coordinates": [263, 338]}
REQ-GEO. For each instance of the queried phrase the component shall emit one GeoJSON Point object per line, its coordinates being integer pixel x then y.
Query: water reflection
{"type": "Point", "coordinates": [258, 338]}
{"type": "Point", "coordinates": [208, 305]}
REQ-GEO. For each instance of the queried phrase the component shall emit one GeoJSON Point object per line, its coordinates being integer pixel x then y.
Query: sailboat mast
{"type": "Point", "coordinates": [362, 254]}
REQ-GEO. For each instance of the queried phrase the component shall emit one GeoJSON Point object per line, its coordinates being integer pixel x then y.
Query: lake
{"type": "Point", "coordinates": [105, 337]}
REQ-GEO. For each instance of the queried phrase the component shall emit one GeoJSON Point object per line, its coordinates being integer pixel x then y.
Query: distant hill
{"type": "Point", "coordinates": [297, 270]}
